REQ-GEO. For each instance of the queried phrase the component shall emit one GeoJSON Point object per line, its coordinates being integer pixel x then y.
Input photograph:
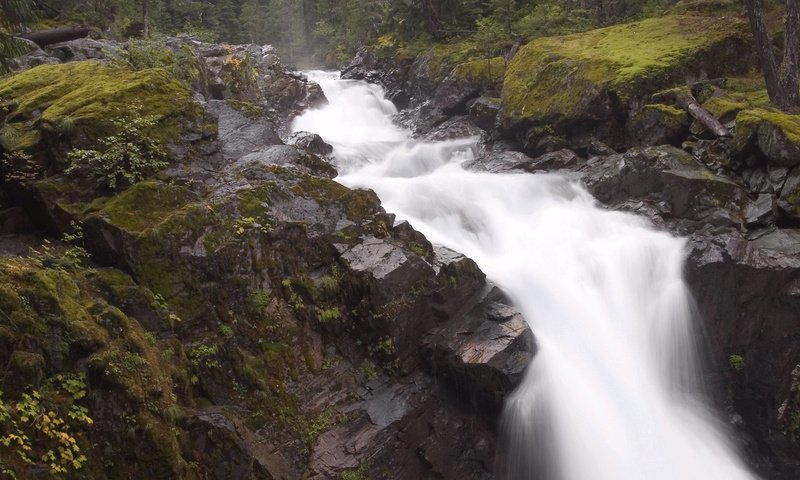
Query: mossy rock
{"type": "Point", "coordinates": [59, 324]}
{"type": "Point", "coordinates": [486, 71]}
{"type": "Point", "coordinates": [80, 99]}
{"type": "Point", "coordinates": [776, 134]}
{"type": "Point", "coordinates": [591, 76]}
{"type": "Point", "coordinates": [658, 124]}
{"type": "Point", "coordinates": [740, 93]}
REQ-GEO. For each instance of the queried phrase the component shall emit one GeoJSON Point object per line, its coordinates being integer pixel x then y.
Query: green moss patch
{"type": "Point", "coordinates": [740, 93]}
{"type": "Point", "coordinates": [83, 97]}
{"type": "Point", "coordinates": [143, 206]}
{"type": "Point", "coordinates": [482, 71]}
{"type": "Point", "coordinates": [565, 78]}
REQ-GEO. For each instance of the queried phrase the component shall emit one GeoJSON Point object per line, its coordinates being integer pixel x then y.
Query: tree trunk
{"type": "Point", "coordinates": [57, 35]}
{"type": "Point", "coordinates": [790, 67]}
{"type": "Point", "coordinates": [687, 102]}
{"type": "Point", "coordinates": [145, 18]}
{"type": "Point", "coordinates": [783, 85]}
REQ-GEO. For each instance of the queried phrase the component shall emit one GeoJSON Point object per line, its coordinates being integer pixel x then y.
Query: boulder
{"type": "Point", "coordinates": [657, 124]}
{"type": "Point", "coordinates": [310, 142]}
{"type": "Point", "coordinates": [593, 79]}
{"type": "Point", "coordinates": [484, 353]}
{"type": "Point", "coordinates": [669, 175]}
{"type": "Point", "coordinates": [775, 134]}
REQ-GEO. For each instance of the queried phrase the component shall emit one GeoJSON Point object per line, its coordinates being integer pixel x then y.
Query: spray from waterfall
{"type": "Point", "coordinates": [614, 391]}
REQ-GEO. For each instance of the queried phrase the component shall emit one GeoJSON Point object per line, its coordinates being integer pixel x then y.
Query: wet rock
{"type": "Point", "coordinates": [240, 133]}
{"type": "Point", "coordinates": [390, 267]}
{"type": "Point", "coordinates": [87, 49]}
{"type": "Point", "coordinates": [466, 82]}
{"type": "Point", "coordinates": [666, 174]}
{"type": "Point", "coordinates": [789, 200]}
{"type": "Point", "coordinates": [215, 443]}
{"type": "Point", "coordinates": [755, 319]}
{"type": "Point", "coordinates": [310, 142]}
{"type": "Point", "coordinates": [483, 112]}
{"type": "Point", "coordinates": [659, 125]}
{"type": "Point", "coordinates": [458, 127]}
{"type": "Point", "coordinates": [559, 160]}
{"type": "Point", "coordinates": [484, 353]}
{"type": "Point", "coordinates": [760, 211]}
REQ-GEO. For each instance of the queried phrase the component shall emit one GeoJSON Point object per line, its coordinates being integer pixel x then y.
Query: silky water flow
{"type": "Point", "coordinates": [613, 392]}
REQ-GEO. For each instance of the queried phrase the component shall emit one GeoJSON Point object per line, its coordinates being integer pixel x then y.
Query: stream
{"type": "Point", "coordinates": [614, 392]}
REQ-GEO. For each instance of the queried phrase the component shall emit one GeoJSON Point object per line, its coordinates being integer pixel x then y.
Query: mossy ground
{"type": "Point", "coordinates": [554, 77]}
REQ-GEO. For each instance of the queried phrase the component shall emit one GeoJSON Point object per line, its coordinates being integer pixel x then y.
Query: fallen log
{"type": "Point", "coordinates": [42, 38]}
{"type": "Point", "coordinates": [686, 101]}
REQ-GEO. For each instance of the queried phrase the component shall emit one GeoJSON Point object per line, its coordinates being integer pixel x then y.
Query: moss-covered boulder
{"type": "Point", "coordinates": [774, 133]}
{"type": "Point", "coordinates": [737, 94]}
{"type": "Point", "coordinates": [586, 79]}
{"type": "Point", "coordinates": [79, 100]}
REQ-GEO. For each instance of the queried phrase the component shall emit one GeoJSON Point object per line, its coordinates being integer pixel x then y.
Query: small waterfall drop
{"type": "Point", "coordinates": [613, 393]}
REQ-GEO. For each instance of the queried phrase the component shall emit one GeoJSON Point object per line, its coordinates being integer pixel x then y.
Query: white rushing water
{"type": "Point", "coordinates": [612, 393]}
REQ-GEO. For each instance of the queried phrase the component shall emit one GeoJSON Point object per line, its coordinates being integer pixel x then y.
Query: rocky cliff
{"type": "Point", "coordinates": [227, 311]}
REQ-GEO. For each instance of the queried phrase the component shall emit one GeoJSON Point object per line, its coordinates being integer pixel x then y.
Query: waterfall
{"type": "Point", "coordinates": [613, 392]}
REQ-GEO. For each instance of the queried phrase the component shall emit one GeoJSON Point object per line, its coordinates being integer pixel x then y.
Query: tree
{"type": "Point", "coordinates": [14, 15]}
{"type": "Point", "coordinates": [782, 78]}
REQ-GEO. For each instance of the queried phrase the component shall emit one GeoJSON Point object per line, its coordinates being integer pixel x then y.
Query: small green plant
{"type": "Point", "coordinates": [59, 257]}
{"type": "Point", "coordinates": [359, 473]}
{"type": "Point", "coordinates": [737, 362]}
{"type": "Point", "coordinates": [205, 355]}
{"type": "Point", "coordinates": [258, 300]}
{"type": "Point", "coordinates": [243, 224]}
{"type": "Point", "coordinates": [369, 370]}
{"type": "Point", "coordinates": [149, 53]}
{"type": "Point", "coordinates": [328, 315]}
{"type": "Point", "coordinates": [383, 347]}
{"type": "Point", "coordinates": [128, 156]}
{"type": "Point", "coordinates": [36, 432]}
{"type": "Point", "coordinates": [225, 330]}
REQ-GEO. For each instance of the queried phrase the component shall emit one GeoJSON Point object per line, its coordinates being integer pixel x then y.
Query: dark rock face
{"type": "Point", "coordinates": [485, 353]}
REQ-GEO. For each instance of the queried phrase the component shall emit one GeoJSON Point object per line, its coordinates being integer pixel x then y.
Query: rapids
{"type": "Point", "coordinates": [614, 392]}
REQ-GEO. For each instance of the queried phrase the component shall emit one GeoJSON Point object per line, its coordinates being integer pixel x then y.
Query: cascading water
{"type": "Point", "coordinates": [612, 393]}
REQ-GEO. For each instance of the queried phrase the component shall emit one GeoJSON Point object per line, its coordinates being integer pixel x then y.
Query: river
{"type": "Point", "coordinates": [614, 392]}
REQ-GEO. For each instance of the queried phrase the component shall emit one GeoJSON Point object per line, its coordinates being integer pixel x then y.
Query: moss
{"type": "Point", "coordinates": [358, 205]}
{"type": "Point", "coordinates": [485, 70]}
{"type": "Point", "coordinates": [740, 93]}
{"type": "Point", "coordinates": [562, 77]}
{"type": "Point", "coordinates": [670, 116]}
{"type": "Point", "coordinates": [87, 95]}
{"type": "Point", "coordinates": [443, 57]}
{"type": "Point", "coordinates": [142, 206]}
{"type": "Point", "coordinates": [248, 109]}
{"type": "Point", "coordinates": [787, 123]}
{"type": "Point", "coordinates": [19, 137]}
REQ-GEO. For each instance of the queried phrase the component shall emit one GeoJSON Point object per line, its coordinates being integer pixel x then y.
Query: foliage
{"type": "Point", "coordinates": [124, 158]}
{"type": "Point", "coordinates": [737, 362]}
{"type": "Point", "coordinates": [205, 356]}
{"type": "Point", "coordinates": [38, 430]}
